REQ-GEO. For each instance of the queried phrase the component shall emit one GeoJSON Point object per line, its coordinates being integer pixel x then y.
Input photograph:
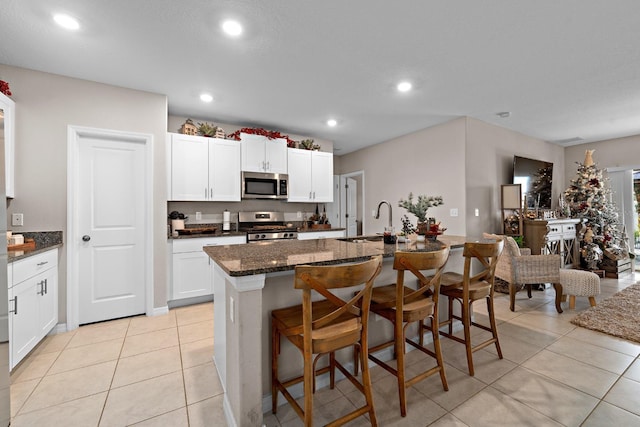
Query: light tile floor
{"type": "Point", "coordinates": [158, 371]}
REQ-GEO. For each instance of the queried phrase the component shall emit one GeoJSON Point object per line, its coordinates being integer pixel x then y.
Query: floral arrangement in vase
{"type": "Point", "coordinates": [420, 207]}
{"type": "Point", "coordinates": [308, 144]}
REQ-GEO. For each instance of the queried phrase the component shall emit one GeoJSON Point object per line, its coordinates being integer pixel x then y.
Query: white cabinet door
{"type": "Point", "coordinates": [322, 176]}
{"type": "Point", "coordinates": [189, 167]}
{"type": "Point", "coordinates": [224, 170]}
{"type": "Point", "coordinates": [310, 176]}
{"type": "Point", "coordinates": [8, 108]}
{"type": "Point", "coordinates": [48, 301]}
{"type": "Point", "coordinates": [191, 275]}
{"type": "Point", "coordinates": [253, 153]}
{"type": "Point", "coordinates": [261, 154]}
{"type": "Point", "coordinates": [24, 307]}
{"type": "Point", "coordinates": [299, 175]}
{"type": "Point", "coordinates": [276, 155]}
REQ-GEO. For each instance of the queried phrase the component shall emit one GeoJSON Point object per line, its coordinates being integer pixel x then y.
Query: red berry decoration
{"type": "Point", "coordinates": [4, 88]}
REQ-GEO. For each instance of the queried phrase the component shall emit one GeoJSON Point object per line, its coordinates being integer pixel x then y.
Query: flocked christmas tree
{"type": "Point", "coordinates": [589, 198]}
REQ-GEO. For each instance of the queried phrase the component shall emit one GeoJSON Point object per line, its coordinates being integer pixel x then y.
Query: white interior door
{"type": "Point", "coordinates": [110, 228]}
{"type": "Point", "coordinates": [352, 206]}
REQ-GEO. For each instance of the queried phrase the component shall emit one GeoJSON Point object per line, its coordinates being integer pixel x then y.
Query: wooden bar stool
{"type": "Point", "coordinates": [467, 288]}
{"type": "Point", "coordinates": [325, 326]}
{"type": "Point", "coordinates": [402, 306]}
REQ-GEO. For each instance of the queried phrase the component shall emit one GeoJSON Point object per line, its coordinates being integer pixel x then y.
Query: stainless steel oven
{"type": "Point", "coordinates": [265, 226]}
{"type": "Point", "coordinates": [257, 185]}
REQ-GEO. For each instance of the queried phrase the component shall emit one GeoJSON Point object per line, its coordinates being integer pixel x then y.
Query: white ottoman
{"type": "Point", "coordinates": [579, 283]}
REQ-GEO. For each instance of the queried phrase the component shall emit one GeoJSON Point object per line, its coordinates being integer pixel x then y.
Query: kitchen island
{"type": "Point", "coordinates": [252, 280]}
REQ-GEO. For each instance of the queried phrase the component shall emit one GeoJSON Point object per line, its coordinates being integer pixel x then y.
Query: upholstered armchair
{"type": "Point", "coordinates": [518, 267]}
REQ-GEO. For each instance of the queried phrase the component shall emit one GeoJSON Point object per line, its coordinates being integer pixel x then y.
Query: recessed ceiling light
{"type": "Point", "coordinates": [205, 97]}
{"type": "Point", "coordinates": [66, 21]}
{"type": "Point", "coordinates": [404, 86]}
{"type": "Point", "coordinates": [232, 28]}
{"type": "Point", "coordinates": [331, 122]}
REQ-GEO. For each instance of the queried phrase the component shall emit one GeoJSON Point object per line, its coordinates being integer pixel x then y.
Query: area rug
{"type": "Point", "coordinates": [618, 315]}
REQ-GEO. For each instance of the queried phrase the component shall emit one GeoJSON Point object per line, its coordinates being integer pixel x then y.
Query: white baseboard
{"type": "Point", "coordinates": [159, 311]}
{"type": "Point", "coordinates": [60, 328]}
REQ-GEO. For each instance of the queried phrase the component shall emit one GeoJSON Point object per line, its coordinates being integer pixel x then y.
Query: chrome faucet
{"type": "Point", "coordinates": [390, 216]}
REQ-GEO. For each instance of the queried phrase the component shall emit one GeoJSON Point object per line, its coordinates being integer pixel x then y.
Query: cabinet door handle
{"type": "Point", "coordinates": [46, 287]}
{"type": "Point", "coordinates": [41, 290]}
{"type": "Point", "coordinates": [40, 264]}
{"type": "Point", "coordinates": [15, 305]}
{"type": "Point", "coordinates": [309, 195]}
{"type": "Point", "coordinates": [314, 195]}
{"type": "Point", "coordinates": [211, 192]}
{"type": "Point", "coordinates": [205, 193]}
{"type": "Point", "coordinates": [268, 166]}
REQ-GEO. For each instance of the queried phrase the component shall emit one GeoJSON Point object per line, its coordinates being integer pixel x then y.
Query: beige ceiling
{"type": "Point", "coordinates": [564, 68]}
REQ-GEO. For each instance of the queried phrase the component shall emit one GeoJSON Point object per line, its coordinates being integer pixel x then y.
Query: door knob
{"type": "Point", "coordinates": [86, 238]}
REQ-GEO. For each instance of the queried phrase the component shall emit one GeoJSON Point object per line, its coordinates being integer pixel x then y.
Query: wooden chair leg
{"type": "Point", "coordinates": [275, 350]}
{"type": "Point", "coordinates": [332, 372]}
{"type": "Point", "coordinates": [308, 387]}
{"type": "Point", "coordinates": [466, 321]}
{"type": "Point", "coordinates": [450, 316]}
{"type": "Point", "coordinates": [438, 351]}
{"type": "Point", "coordinates": [572, 302]}
{"type": "Point", "coordinates": [494, 327]}
{"type": "Point", "coordinates": [592, 301]}
{"type": "Point", "coordinates": [366, 382]}
{"type": "Point", "coordinates": [528, 290]}
{"type": "Point", "coordinates": [512, 297]}
{"type": "Point", "coordinates": [399, 348]}
{"type": "Point", "coordinates": [356, 360]}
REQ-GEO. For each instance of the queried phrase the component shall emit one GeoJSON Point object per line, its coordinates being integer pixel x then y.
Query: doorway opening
{"type": "Point", "coordinates": [352, 203]}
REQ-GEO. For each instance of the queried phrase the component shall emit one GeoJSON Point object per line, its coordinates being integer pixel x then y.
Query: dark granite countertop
{"type": "Point", "coordinates": [45, 240]}
{"type": "Point", "coordinates": [269, 257]}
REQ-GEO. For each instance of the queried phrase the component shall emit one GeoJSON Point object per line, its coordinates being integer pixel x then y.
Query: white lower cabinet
{"type": "Point", "coordinates": [33, 302]}
{"type": "Point", "coordinates": [192, 274]}
{"type": "Point", "coordinates": [327, 234]}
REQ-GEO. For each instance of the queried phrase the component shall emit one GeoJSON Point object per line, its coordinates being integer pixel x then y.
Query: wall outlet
{"type": "Point", "coordinates": [477, 212]}
{"type": "Point", "coordinates": [198, 216]}
{"type": "Point", "coordinates": [17, 220]}
{"type": "Point", "coordinates": [453, 212]}
{"type": "Point", "coordinates": [299, 215]}
{"type": "Point", "coordinates": [373, 213]}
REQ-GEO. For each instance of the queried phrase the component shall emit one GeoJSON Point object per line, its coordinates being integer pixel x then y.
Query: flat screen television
{"type": "Point", "coordinates": [535, 176]}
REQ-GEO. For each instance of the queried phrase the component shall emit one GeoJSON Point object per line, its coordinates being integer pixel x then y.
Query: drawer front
{"type": "Point", "coordinates": [568, 230]}
{"type": "Point", "coordinates": [196, 244]}
{"type": "Point", "coordinates": [29, 267]}
{"type": "Point", "coordinates": [554, 232]}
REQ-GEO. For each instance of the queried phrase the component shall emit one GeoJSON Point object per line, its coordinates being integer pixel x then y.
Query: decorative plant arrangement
{"type": "Point", "coordinates": [206, 129]}
{"type": "Point", "coordinates": [4, 88]}
{"type": "Point", "coordinates": [307, 144]}
{"type": "Point", "coordinates": [407, 227]}
{"type": "Point", "coordinates": [271, 134]}
{"type": "Point", "coordinates": [421, 206]}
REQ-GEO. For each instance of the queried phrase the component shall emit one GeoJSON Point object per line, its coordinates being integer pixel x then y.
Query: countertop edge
{"type": "Point", "coordinates": [11, 257]}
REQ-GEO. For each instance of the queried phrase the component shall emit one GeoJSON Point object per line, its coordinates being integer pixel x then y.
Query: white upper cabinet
{"type": "Point", "coordinates": [204, 169]}
{"type": "Point", "coordinates": [224, 170]}
{"type": "Point", "coordinates": [310, 176]}
{"type": "Point", "coordinates": [7, 133]}
{"type": "Point", "coordinates": [261, 154]}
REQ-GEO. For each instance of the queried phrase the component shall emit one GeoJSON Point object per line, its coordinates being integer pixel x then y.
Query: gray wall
{"type": "Point", "coordinates": [464, 160]}
{"type": "Point", "coordinates": [45, 105]}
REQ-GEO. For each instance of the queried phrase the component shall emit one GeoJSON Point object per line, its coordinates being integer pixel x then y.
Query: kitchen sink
{"type": "Point", "coordinates": [362, 239]}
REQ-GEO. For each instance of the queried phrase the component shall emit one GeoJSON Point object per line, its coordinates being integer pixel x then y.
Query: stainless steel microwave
{"type": "Point", "coordinates": [257, 185]}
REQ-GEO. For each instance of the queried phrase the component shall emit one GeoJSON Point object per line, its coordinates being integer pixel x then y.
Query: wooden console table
{"type": "Point", "coordinates": [554, 236]}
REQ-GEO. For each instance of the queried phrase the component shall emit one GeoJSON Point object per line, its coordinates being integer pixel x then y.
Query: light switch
{"type": "Point", "coordinates": [453, 212]}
